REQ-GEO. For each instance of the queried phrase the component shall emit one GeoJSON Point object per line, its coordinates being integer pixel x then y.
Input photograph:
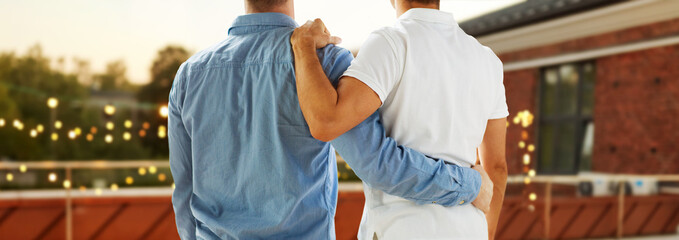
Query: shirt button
{"type": "Point", "coordinates": [461, 202]}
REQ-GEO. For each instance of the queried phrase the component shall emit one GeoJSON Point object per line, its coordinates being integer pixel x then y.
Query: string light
{"type": "Point", "coordinates": [146, 125]}
{"type": "Point", "coordinates": [97, 191]}
{"type": "Point", "coordinates": [23, 168]}
{"type": "Point", "coordinates": [152, 169]}
{"type": "Point", "coordinates": [526, 180]}
{"type": "Point", "coordinates": [89, 137]}
{"type": "Point", "coordinates": [55, 136]}
{"type": "Point", "coordinates": [40, 128]}
{"type": "Point", "coordinates": [531, 148]}
{"type": "Point", "coordinates": [110, 125]}
{"type": "Point", "coordinates": [129, 180]}
{"type": "Point", "coordinates": [34, 133]}
{"type": "Point", "coordinates": [52, 102]}
{"type": "Point", "coordinates": [128, 124]}
{"type": "Point", "coordinates": [162, 177]}
{"type": "Point", "coordinates": [522, 144]}
{"type": "Point", "coordinates": [172, 185]}
{"type": "Point", "coordinates": [114, 187]}
{"type": "Point", "coordinates": [526, 159]}
{"type": "Point", "coordinates": [533, 196]}
{"type": "Point", "coordinates": [2, 122]}
{"type": "Point", "coordinates": [71, 134]}
{"type": "Point", "coordinates": [58, 124]}
{"type": "Point", "coordinates": [127, 136]}
{"type": "Point", "coordinates": [52, 177]}
{"type": "Point", "coordinates": [109, 109]}
{"type": "Point", "coordinates": [142, 171]}
{"type": "Point", "coordinates": [163, 111]}
{"type": "Point", "coordinates": [82, 188]}
{"type": "Point", "coordinates": [9, 177]}
{"type": "Point", "coordinates": [531, 173]}
{"type": "Point", "coordinates": [93, 130]}
{"type": "Point", "coordinates": [67, 184]}
{"type": "Point", "coordinates": [78, 131]}
{"type": "Point", "coordinates": [18, 124]}
{"type": "Point", "coordinates": [162, 131]}
{"type": "Point", "coordinates": [108, 138]}
{"type": "Point", "coordinates": [142, 133]}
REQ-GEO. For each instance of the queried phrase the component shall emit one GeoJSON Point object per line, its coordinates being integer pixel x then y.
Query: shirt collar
{"type": "Point", "coordinates": [263, 19]}
{"type": "Point", "coordinates": [429, 15]}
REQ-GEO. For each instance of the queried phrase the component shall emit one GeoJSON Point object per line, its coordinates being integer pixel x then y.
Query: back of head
{"type": "Point", "coordinates": [265, 5]}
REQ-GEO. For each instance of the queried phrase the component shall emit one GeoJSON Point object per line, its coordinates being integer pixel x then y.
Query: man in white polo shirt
{"type": "Point", "coordinates": [439, 91]}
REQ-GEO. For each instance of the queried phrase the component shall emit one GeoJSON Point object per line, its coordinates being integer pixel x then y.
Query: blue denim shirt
{"type": "Point", "coordinates": [243, 161]}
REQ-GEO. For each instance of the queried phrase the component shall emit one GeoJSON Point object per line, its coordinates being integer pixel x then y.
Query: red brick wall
{"type": "Point", "coordinates": [640, 33]}
{"type": "Point", "coordinates": [520, 87]}
{"type": "Point", "coordinates": [637, 112]}
{"type": "Point", "coordinates": [636, 119]}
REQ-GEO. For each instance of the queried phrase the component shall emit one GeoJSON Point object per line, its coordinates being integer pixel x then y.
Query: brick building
{"type": "Point", "coordinates": [600, 77]}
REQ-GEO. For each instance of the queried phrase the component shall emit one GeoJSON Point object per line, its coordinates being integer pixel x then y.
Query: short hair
{"type": "Point", "coordinates": [426, 1]}
{"type": "Point", "coordinates": [264, 5]}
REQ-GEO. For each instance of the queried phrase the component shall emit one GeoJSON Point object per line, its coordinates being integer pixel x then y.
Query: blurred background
{"type": "Point", "coordinates": [591, 86]}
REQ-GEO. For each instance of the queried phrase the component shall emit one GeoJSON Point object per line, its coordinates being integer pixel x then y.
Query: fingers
{"type": "Point", "coordinates": [335, 40]}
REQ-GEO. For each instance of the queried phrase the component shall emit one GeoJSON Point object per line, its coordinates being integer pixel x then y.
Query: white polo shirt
{"type": "Point", "coordinates": [438, 87]}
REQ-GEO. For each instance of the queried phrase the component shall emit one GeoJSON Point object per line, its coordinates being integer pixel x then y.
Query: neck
{"type": "Point", "coordinates": [287, 8]}
{"type": "Point", "coordinates": [403, 6]}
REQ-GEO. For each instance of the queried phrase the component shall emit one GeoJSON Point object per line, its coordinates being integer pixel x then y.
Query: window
{"type": "Point", "coordinates": [566, 130]}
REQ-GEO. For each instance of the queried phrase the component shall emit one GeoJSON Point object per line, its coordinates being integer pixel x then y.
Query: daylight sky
{"type": "Point", "coordinates": [134, 30]}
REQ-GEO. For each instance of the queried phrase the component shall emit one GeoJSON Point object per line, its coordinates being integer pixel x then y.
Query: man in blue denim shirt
{"type": "Point", "coordinates": [243, 161]}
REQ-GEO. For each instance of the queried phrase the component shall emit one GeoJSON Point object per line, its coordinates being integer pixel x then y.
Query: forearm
{"type": "Point", "coordinates": [402, 171]}
{"type": "Point", "coordinates": [499, 177]}
{"type": "Point", "coordinates": [317, 97]}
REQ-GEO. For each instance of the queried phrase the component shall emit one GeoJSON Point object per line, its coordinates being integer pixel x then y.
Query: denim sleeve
{"type": "Point", "coordinates": [397, 170]}
{"type": "Point", "coordinates": [180, 161]}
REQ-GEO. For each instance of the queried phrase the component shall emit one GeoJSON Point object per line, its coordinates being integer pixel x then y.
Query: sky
{"type": "Point", "coordinates": [102, 31]}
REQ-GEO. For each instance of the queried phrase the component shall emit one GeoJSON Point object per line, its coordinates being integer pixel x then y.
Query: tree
{"type": "Point", "coordinates": [163, 71]}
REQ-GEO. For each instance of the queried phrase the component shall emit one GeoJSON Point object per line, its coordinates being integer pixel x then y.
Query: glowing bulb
{"type": "Point", "coordinates": [2, 122]}
{"type": "Point", "coordinates": [532, 196]}
{"type": "Point", "coordinates": [52, 102]}
{"type": "Point", "coordinates": [162, 177]}
{"type": "Point", "coordinates": [526, 159]}
{"type": "Point", "coordinates": [52, 177]}
{"type": "Point", "coordinates": [531, 148]}
{"type": "Point", "coordinates": [522, 144]}
{"type": "Point", "coordinates": [97, 191]}
{"type": "Point", "coordinates": [163, 111]}
{"type": "Point", "coordinates": [129, 180]}
{"type": "Point", "coordinates": [82, 188]}
{"type": "Point", "coordinates": [58, 124]}
{"type": "Point", "coordinates": [127, 136]}
{"type": "Point", "coordinates": [34, 133]}
{"type": "Point", "coordinates": [67, 184]}
{"type": "Point", "coordinates": [93, 130]}
{"type": "Point", "coordinates": [109, 109]}
{"type": "Point", "coordinates": [526, 180]}
{"type": "Point", "coordinates": [23, 168]}
{"type": "Point", "coordinates": [110, 125]}
{"type": "Point", "coordinates": [142, 171]}
{"type": "Point", "coordinates": [108, 138]}
{"type": "Point", "coordinates": [78, 131]}
{"type": "Point", "coordinates": [9, 177]}
{"type": "Point", "coordinates": [152, 169]}
{"type": "Point", "coordinates": [71, 134]}
{"type": "Point", "coordinates": [40, 128]}
{"type": "Point", "coordinates": [172, 185]}
{"type": "Point", "coordinates": [128, 124]}
{"type": "Point", "coordinates": [89, 137]}
{"type": "Point", "coordinates": [142, 133]}
{"type": "Point", "coordinates": [55, 136]}
{"type": "Point", "coordinates": [114, 187]}
{"type": "Point", "coordinates": [162, 132]}
{"type": "Point", "coordinates": [18, 124]}
{"type": "Point", "coordinates": [531, 173]}
{"type": "Point", "coordinates": [146, 125]}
